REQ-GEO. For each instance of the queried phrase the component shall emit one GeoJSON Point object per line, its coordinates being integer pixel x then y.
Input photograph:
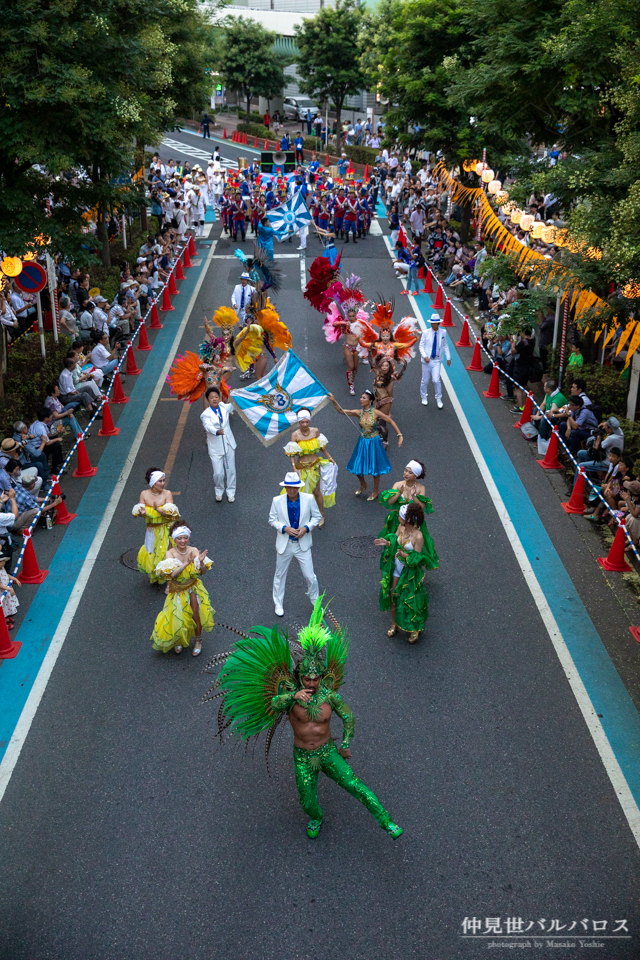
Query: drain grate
{"type": "Point", "coordinates": [130, 558]}
{"type": "Point", "coordinates": [362, 547]}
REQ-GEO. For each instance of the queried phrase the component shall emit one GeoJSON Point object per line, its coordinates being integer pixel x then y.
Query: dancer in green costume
{"type": "Point", "coordinates": [405, 491]}
{"type": "Point", "coordinates": [403, 564]}
{"type": "Point", "coordinates": [266, 678]}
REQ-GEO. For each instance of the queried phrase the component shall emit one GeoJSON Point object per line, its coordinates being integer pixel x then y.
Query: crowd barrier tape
{"type": "Point", "coordinates": [34, 326]}
{"type": "Point", "coordinates": [81, 436]}
{"type": "Point", "coordinates": [620, 523]}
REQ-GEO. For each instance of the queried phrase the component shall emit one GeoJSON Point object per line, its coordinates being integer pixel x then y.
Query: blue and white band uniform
{"type": "Point", "coordinates": [434, 346]}
{"type": "Point", "coordinates": [222, 448]}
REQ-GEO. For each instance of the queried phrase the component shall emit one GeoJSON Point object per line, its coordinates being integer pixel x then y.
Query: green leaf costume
{"type": "Point", "coordinates": [391, 523]}
{"type": "Point", "coordinates": [409, 596]}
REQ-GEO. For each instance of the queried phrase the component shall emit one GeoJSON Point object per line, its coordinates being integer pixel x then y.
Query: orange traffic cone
{"type": "Point", "coordinates": [166, 302]}
{"type": "Point", "coordinates": [179, 270]}
{"type": "Point", "coordinates": [551, 461]}
{"type": "Point", "coordinates": [155, 319]}
{"type": "Point", "coordinates": [84, 468]}
{"type": "Point", "coordinates": [143, 342]}
{"type": "Point", "coordinates": [108, 429]}
{"type": "Point", "coordinates": [186, 259]}
{"type": "Point", "coordinates": [30, 572]}
{"type": "Point", "coordinates": [422, 273]}
{"type": "Point", "coordinates": [118, 395]}
{"type": "Point", "coordinates": [63, 516]}
{"type": "Point", "coordinates": [447, 321]}
{"type": "Point", "coordinates": [255, 142]}
{"type": "Point", "coordinates": [8, 647]}
{"type": "Point", "coordinates": [173, 290]}
{"type": "Point", "coordinates": [327, 163]}
{"type": "Point", "coordinates": [476, 359]}
{"type": "Point", "coordinates": [493, 393]}
{"type": "Point", "coordinates": [525, 416]}
{"type": "Point", "coordinates": [615, 561]}
{"type": "Point", "coordinates": [192, 246]}
{"type": "Point", "coordinates": [438, 303]}
{"type": "Point", "coordinates": [132, 368]}
{"type": "Point", "coordinates": [224, 134]}
{"type": "Point", "coordinates": [428, 284]}
{"type": "Point", "coordinates": [576, 503]}
{"type": "Point", "coordinates": [464, 340]}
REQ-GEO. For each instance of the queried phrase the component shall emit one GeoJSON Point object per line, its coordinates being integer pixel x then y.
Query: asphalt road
{"type": "Point", "coordinates": [127, 834]}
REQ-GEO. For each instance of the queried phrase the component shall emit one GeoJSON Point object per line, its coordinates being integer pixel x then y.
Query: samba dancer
{"type": "Point", "coordinates": [159, 512]}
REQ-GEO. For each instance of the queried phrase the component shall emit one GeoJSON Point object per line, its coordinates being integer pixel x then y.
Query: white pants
{"type": "Point", "coordinates": [303, 238]}
{"type": "Point", "coordinates": [431, 371]}
{"type": "Point", "coordinates": [222, 462]}
{"type": "Point", "coordinates": [401, 267]}
{"type": "Point", "coordinates": [304, 558]}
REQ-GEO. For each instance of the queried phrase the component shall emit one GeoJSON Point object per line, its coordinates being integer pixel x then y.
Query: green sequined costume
{"type": "Point", "coordinates": [391, 523]}
{"type": "Point", "coordinates": [258, 682]}
{"type": "Point", "coordinates": [409, 596]}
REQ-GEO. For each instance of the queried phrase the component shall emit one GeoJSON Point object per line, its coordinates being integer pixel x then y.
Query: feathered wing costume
{"type": "Point", "coordinates": [323, 276]}
{"type": "Point", "coordinates": [402, 337]}
{"type": "Point", "coordinates": [345, 296]}
{"type": "Point", "coordinates": [192, 374]}
{"type": "Point", "coordinates": [264, 327]}
{"type": "Point", "coordinates": [258, 684]}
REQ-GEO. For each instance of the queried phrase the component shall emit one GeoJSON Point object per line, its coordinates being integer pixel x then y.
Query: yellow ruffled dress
{"type": "Point", "coordinates": [310, 473]}
{"type": "Point", "coordinates": [156, 541]}
{"type": "Point", "coordinates": [174, 624]}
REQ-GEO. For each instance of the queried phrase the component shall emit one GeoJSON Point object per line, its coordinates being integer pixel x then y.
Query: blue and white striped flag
{"type": "Point", "coordinates": [289, 217]}
{"type": "Point", "coordinates": [270, 406]}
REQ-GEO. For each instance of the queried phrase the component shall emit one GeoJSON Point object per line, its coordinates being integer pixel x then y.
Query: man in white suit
{"type": "Point", "coordinates": [434, 344]}
{"type": "Point", "coordinates": [241, 296]}
{"type": "Point", "coordinates": [221, 443]}
{"type": "Point", "coordinates": [294, 516]}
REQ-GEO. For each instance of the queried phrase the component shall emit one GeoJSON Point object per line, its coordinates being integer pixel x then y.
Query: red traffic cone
{"type": "Point", "coordinates": [143, 342]}
{"type": "Point", "coordinates": [476, 359]}
{"type": "Point", "coordinates": [30, 572]}
{"type": "Point", "coordinates": [155, 319]}
{"type": "Point", "coordinates": [402, 237]}
{"type": "Point", "coordinates": [366, 172]}
{"type": "Point", "coordinates": [551, 461]}
{"type": "Point", "coordinates": [8, 647]}
{"type": "Point", "coordinates": [63, 516]}
{"type": "Point", "coordinates": [84, 468]}
{"type": "Point", "coordinates": [233, 136]}
{"type": "Point", "coordinates": [266, 145]}
{"type": "Point", "coordinates": [493, 393]}
{"type": "Point", "coordinates": [186, 259]}
{"type": "Point", "coordinates": [132, 368]}
{"type": "Point", "coordinates": [464, 340]}
{"type": "Point", "coordinates": [173, 290]}
{"type": "Point", "coordinates": [107, 429]}
{"type": "Point", "coordinates": [634, 631]}
{"type": "Point", "coordinates": [525, 416]}
{"type": "Point", "coordinates": [327, 163]}
{"type": "Point", "coordinates": [179, 270]}
{"type": "Point", "coordinates": [224, 134]}
{"type": "Point", "coordinates": [428, 284]}
{"type": "Point", "coordinates": [192, 246]}
{"type": "Point", "coordinates": [117, 395]}
{"type": "Point", "coordinates": [615, 561]}
{"type": "Point", "coordinates": [422, 273]}
{"type": "Point", "coordinates": [166, 302]}
{"type": "Point", "coordinates": [255, 142]}
{"type": "Point", "coordinates": [447, 321]}
{"type": "Point", "coordinates": [576, 503]}
{"type": "Point", "coordinates": [438, 303]}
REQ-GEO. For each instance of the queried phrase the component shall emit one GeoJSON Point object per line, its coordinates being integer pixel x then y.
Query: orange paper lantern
{"type": "Point", "coordinates": [11, 266]}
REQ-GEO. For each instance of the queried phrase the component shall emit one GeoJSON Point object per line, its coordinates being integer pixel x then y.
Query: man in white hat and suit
{"type": "Point", "coordinates": [221, 443]}
{"type": "Point", "coordinates": [293, 517]}
{"type": "Point", "coordinates": [241, 296]}
{"type": "Point", "coordinates": [434, 343]}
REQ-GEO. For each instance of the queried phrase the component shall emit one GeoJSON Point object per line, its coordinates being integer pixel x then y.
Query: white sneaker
{"type": "Point", "coordinates": [230, 499]}
{"type": "Point", "coordinates": [279, 611]}
{"type": "Point", "coordinates": [439, 404]}
{"type": "Point", "coordinates": [218, 499]}
{"type": "Point", "coordinates": [425, 402]}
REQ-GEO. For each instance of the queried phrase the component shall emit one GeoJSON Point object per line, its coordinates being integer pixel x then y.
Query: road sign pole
{"type": "Point", "coordinates": [43, 348]}
{"type": "Point", "coordinates": [53, 295]}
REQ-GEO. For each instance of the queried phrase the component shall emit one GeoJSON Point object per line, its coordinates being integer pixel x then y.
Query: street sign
{"type": "Point", "coordinates": [33, 278]}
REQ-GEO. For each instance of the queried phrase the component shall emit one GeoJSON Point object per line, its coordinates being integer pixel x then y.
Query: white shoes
{"type": "Point", "coordinates": [439, 404]}
{"type": "Point", "coordinates": [425, 402]}
{"type": "Point", "coordinates": [230, 499]}
{"type": "Point", "coordinates": [218, 498]}
{"type": "Point", "coordinates": [279, 610]}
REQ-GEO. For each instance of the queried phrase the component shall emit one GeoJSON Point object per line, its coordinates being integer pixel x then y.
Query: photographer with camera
{"type": "Point", "coordinates": [606, 436]}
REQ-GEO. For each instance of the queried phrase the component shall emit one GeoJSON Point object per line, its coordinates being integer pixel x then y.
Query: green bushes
{"type": "Point", "coordinates": [254, 130]}
{"type": "Point", "coordinates": [362, 155]}
{"type": "Point", "coordinates": [27, 377]}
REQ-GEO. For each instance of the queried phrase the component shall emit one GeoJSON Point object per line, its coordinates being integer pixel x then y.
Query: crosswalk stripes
{"type": "Point", "coordinates": [189, 151]}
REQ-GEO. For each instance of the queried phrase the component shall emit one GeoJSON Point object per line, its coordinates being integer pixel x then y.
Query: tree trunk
{"type": "Point", "coordinates": [465, 223]}
{"type": "Point", "coordinates": [103, 237]}
{"type": "Point", "coordinates": [248, 108]}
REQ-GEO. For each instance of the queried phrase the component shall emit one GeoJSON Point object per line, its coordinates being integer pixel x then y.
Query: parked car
{"type": "Point", "coordinates": [295, 108]}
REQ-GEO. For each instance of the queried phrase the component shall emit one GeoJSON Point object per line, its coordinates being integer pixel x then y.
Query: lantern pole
{"type": "Point", "coordinates": [556, 322]}
{"type": "Point", "coordinates": [565, 321]}
{"type": "Point", "coordinates": [43, 348]}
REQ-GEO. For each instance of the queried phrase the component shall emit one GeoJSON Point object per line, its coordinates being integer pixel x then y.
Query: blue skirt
{"type": "Point", "coordinates": [330, 253]}
{"type": "Point", "coordinates": [369, 458]}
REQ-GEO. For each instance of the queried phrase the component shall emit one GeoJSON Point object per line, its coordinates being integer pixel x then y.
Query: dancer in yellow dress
{"type": "Point", "coordinates": [310, 458]}
{"type": "Point", "coordinates": [187, 611]}
{"type": "Point", "coordinates": [158, 511]}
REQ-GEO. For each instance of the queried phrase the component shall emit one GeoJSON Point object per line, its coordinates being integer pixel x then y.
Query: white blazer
{"type": "Point", "coordinates": [236, 298]}
{"type": "Point", "coordinates": [211, 423]}
{"type": "Point", "coordinates": [426, 344]}
{"type": "Point", "coordinates": [279, 517]}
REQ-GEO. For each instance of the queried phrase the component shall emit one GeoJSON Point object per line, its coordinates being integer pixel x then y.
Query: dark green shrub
{"type": "Point", "coordinates": [27, 377]}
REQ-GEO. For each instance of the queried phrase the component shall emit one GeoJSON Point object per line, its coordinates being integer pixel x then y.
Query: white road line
{"type": "Point", "coordinates": [277, 256]}
{"type": "Point", "coordinates": [303, 272]}
{"type": "Point", "coordinates": [44, 674]}
{"type": "Point", "coordinates": [608, 757]}
{"type": "Point", "coordinates": [375, 229]}
{"type": "Point", "coordinates": [196, 152]}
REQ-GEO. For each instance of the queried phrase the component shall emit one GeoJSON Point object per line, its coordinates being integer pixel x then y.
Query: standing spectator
{"type": "Point", "coordinates": [317, 123]}
{"type": "Point", "coordinates": [19, 307]}
{"type": "Point", "coordinates": [8, 318]}
{"type": "Point", "coordinates": [266, 119]}
{"type": "Point", "coordinates": [309, 119]}
{"type": "Point", "coordinates": [68, 323]}
{"type": "Point", "coordinates": [298, 143]}
{"type": "Point", "coordinates": [82, 292]}
{"type": "Point", "coordinates": [284, 143]}
{"type": "Point", "coordinates": [204, 124]}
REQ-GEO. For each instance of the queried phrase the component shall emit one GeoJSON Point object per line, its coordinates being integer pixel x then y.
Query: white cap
{"type": "Point", "coordinates": [292, 479]}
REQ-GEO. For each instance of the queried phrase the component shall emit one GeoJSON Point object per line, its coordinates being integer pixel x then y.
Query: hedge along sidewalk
{"type": "Point", "coordinates": [24, 680]}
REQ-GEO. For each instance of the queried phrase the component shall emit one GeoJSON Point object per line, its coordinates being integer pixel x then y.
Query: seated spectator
{"type": "Point", "coordinates": [578, 387]}
{"type": "Point", "coordinates": [10, 449]}
{"type": "Point", "coordinates": [100, 315]}
{"type": "Point", "coordinates": [28, 504]}
{"type": "Point", "coordinates": [120, 315]}
{"type": "Point", "coordinates": [60, 412]}
{"type": "Point", "coordinates": [8, 517]}
{"type": "Point", "coordinates": [85, 371]}
{"type": "Point", "coordinates": [609, 435]}
{"type": "Point", "coordinates": [68, 323]}
{"type": "Point", "coordinates": [47, 433]}
{"type": "Point", "coordinates": [86, 321]}
{"type": "Point", "coordinates": [554, 401]}
{"type": "Point", "coordinates": [84, 392]}
{"type": "Point", "coordinates": [30, 445]}
{"type": "Point", "coordinates": [102, 358]}
{"type": "Point", "coordinates": [578, 425]}
{"type": "Point", "coordinates": [612, 485]}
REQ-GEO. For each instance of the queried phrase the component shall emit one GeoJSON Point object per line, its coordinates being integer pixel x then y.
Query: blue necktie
{"type": "Point", "coordinates": [242, 299]}
{"type": "Point", "coordinates": [434, 348]}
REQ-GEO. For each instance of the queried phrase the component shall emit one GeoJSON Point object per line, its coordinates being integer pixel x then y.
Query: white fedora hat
{"type": "Point", "coordinates": [292, 479]}
{"type": "Point", "coordinates": [434, 318]}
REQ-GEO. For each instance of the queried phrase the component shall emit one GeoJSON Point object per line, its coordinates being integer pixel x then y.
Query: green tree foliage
{"type": "Point", "coordinates": [329, 65]}
{"type": "Point", "coordinates": [248, 63]}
